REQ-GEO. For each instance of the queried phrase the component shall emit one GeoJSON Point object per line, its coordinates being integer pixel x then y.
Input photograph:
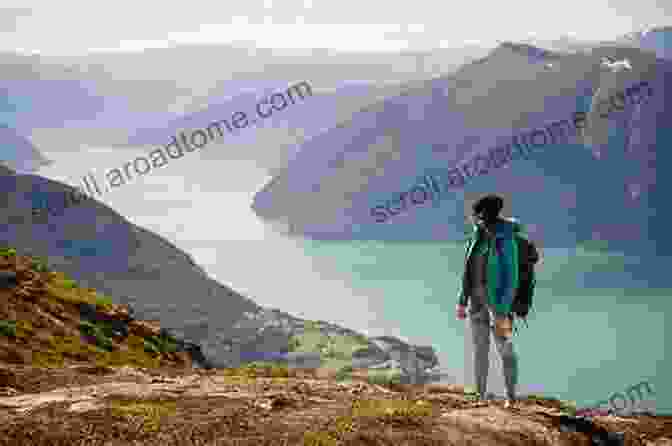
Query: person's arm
{"type": "Point", "coordinates": [463, 296]}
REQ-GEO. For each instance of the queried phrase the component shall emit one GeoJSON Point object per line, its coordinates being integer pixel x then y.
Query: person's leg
{"type": "Point", "coordinates": [509, 364]}
{"type": "Point", "coordinates": [480, 331]}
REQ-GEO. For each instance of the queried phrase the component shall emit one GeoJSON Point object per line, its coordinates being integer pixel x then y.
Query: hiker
{"type": "Point", "coordinates": [490, 284]}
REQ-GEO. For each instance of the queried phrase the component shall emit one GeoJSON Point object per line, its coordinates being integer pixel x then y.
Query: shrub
{"type": "Point", "coordinates": [100, 332]}
{"type": "Point", "coordinates": [8, 329]}
{"type": "Point", "coordinates": [102, 300]}
{"type": "Point", "coordinates": [7, 252]}
{"type": "Point", "coordinates": [40, 265]}
{"type": "Point", "coordinates": [163, 343]}
{"type": "Point", "coordinates": [69, 284]}
{"type": "Point", "coordinates": [293, 344]}
{"type": "Point", "coordinates": [150, 347]}
{"type": "Point", "coordinates": [384, 379]}
{"type": "Point", "coordinates": [343, 373]}
{"type": "Point", "coordinates": [569, 407]}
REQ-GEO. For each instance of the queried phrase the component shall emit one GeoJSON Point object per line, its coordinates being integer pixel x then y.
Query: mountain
{"type": "Point", "coordinates": [18, 153]}
{"type": "Point", "coordinates": [331, 188]}
{"type": "Point", "coordinates": [102, 250]}
{"type": "Point", "coordinates": [130, 99]}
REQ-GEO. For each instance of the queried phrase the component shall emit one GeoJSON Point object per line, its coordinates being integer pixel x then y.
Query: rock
{"type": "Point", "coordinates": [144, 329]}
{"type": "Point", "coordinates": [182, 359]}
{"type": "Point", "coordinates": [118, 311]}
{"type": "Point", "coordinates": [8, 279]}
{"type": "Point", "coordinates": [8, 391]}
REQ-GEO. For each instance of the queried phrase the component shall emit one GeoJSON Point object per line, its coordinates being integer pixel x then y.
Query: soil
{"type": "Point", "coordinates": [76, 405]}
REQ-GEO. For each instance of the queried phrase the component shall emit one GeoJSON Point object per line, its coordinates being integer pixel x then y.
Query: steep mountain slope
{"type": "Point", "coordinates": [330, 189]}
{"type": "Point", "coordinates": [18, 153]}
{"type": "Point", "coordinates": [102, 250]}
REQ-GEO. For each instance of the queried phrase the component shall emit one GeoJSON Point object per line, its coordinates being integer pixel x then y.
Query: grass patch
{"type": "Point", "coordinates": [384, 377]}
{"type": "Point", "coordinates": [263, 370]}
{"type": "Point", "coordinates": [533, 396]}
{"type": "Point", "coordinates": [24, 329]}
{"type": "Point", "coordinates": [319, 439]}
{"type": "Point", "coordinates": [336, 351]}
{"type": "Point", "coordinates": [75, 347]}
{"type": "Point", "coordinates": [61, 346]}
{"type": "Point", "coordinates": [8, 329]}
{"type": "Point", "coordinates": [7, 252]}
{"type": "Point", "coordinates": [67, 290]}
{"type": "Point", "coordinates": [152, 411]}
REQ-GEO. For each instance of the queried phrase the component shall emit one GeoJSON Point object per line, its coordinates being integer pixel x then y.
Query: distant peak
{"type": "Point", "coordinates": [525, 49]}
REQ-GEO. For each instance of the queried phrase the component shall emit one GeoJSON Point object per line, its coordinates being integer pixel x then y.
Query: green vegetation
{"type": "Point", "coordinates": [40, 265]}
{"type": "Point", "coordinates": [293, 344]}
{"type": "Point", "coordinates": [387, 411]}
{"type": "Point", "coordinates": [262, 369]}
{"type": "Point", "coordinates": [344, 373]}
{"type": "Point", "coordinates": [66, 290]}
{"type": "Point", "coordinates": [7, 252]}
{"type": "Point", "coordinates": [160, 344]}
{"type": "Point", "coordinates": [569, 407]}
{"type": "Point", "coordinates": [152, 411]}
{"type": "Point", "coordinates": [319, 439]}
{"type": "Point", "coordinates": [384, 377]}
{"type": "Point", "coordinates": [336, 351]}
{"type": "Point", "coordinates": [73, 346]}
{"type": "Point", "coordinates": [100, 331]}
{"type": "Point", "coordinates": [391, 408]}
{"type": "Point", "coordinates": [8, 329]}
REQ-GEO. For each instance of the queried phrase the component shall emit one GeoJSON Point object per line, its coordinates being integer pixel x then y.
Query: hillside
{"type": "Point", "coordinates": [48, 320]}
{"type": "Point", "coordinates": [76, 368]}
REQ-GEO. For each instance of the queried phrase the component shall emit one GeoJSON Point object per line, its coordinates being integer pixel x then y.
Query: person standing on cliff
{"type": "Point", "coordinates": [489, 285]}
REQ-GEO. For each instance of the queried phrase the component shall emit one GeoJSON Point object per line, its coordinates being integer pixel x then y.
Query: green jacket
{"type": "Point", "coordinates": [499, 243]}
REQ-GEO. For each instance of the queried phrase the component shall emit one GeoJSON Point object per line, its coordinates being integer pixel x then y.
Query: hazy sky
{"type": "Point", "coordinates": [72, 27]}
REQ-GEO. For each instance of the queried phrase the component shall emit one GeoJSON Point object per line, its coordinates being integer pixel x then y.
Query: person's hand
{"type": "Point", "coordinates": [461, 312]}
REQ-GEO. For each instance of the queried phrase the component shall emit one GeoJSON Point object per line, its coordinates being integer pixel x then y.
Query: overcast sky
{"type": "Point", "coordinates": [72, 27]}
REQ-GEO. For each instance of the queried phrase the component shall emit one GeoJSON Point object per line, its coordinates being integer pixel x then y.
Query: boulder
{"type": "Point", "coordinates": [8, 279]}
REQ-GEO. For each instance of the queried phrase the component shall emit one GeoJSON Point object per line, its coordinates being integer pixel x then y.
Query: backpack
{"type": "Point", "coordinates": [527, 257]}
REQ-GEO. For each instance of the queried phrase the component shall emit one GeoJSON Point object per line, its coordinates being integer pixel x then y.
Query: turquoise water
{"type": "Point", "coordinates": [583, 343]}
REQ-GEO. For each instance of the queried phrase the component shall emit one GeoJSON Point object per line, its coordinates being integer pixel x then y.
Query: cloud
{"type": "Point", "coordinates": [9, 16]}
